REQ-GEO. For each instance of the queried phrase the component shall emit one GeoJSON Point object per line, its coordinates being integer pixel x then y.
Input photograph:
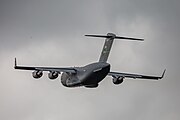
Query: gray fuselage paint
{"type": "Point", "coordinates": [89, 75]}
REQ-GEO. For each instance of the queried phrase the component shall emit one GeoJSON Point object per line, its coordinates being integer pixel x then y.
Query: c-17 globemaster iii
{"type": "Point", "coordinates": [92, 74]}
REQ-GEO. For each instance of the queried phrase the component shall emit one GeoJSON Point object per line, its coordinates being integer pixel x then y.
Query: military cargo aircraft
{"type": "Point", "coordinates": [92, 74]}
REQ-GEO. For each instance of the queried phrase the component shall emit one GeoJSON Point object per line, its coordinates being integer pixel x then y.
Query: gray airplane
{"type": "Point", "coordinates": [92, 74]}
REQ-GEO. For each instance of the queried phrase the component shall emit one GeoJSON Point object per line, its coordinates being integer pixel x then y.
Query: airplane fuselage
{"type": "Point", "coordinates": [88, 76]}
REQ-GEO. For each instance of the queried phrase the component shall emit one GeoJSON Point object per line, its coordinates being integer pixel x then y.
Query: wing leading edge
{"type": "Point", "coordinates": [129, 75]}
{"type": "Point", "coordinates": [68, 69]}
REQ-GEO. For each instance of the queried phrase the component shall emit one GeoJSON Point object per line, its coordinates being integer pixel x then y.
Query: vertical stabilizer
{"type": "Point", "coordinates": [108, 44]}
{"type": "Point", "coordinates": [107, 47]}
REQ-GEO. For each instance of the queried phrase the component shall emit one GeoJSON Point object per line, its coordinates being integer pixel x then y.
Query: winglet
{"type": "Point", "coordinates": [163, 74]}
{"type": "Point", "coordinates": [15, 63]}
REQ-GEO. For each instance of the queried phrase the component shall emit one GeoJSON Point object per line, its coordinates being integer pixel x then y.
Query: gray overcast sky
{"type": "Point", "coordinates": [51, 33]}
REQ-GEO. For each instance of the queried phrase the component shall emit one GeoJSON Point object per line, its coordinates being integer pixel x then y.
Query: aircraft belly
{"type": "Point", "coordinates": [85, 76]}
{"type": "Point", "coordinates": [94, 77]}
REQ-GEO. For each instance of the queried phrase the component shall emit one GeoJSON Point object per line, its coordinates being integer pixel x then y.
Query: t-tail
{"type": "Point", "coordinates": [108, 44]}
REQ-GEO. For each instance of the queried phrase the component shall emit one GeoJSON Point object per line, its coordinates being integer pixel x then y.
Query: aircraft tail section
{"type": "Point", "coordinates": [108, 44]}
{"type": "Point", "coordinates": [107, 48]}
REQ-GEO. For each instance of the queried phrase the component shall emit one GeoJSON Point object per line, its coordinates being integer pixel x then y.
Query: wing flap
{"type": "Point", "coordinates": [69, 70]}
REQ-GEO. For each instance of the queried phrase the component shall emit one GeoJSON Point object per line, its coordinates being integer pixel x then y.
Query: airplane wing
{"type": "Point", "coordinates": [68, 69]}
{"type": "Point", "coordinates": [129, 75]}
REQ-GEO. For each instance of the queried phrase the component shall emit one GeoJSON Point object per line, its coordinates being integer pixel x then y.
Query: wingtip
{"type": "Point", "coordinates": [163, 73]}
{"type": "Point", "coordinates": [15, 63]}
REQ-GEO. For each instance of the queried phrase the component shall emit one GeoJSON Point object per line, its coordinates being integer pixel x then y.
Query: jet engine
{"type": "Point", "coordinates": [117, 80]}
{"type": "Point", "coordinates": [53, 75]}
{"type": "Point", "coordinates": [37, 74]}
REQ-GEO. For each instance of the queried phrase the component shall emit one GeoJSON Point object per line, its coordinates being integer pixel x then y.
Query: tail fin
{"type": "Point", "coordinates": [107, 47]}
{"type": "Point", "coordinates": [108, 44]}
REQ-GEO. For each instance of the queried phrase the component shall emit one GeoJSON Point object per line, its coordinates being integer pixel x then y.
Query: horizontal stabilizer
{"type": "Point", "coordinates": [115, 37]}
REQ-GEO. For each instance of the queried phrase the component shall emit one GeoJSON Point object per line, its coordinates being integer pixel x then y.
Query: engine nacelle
{"type": "Point", "coordinates": [37, 74]}
{"type": "Point", "coordinates": [118, 80]}
{"type": "Point", "coordinates": [53, 75]}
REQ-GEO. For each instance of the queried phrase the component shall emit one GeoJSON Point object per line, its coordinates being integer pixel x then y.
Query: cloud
{"type": "Point", "coordinates": [50, 33]}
